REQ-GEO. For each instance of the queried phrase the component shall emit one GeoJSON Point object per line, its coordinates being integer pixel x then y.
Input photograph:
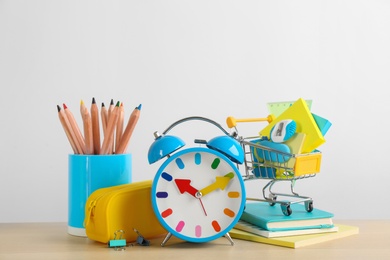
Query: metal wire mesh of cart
{"type": "Point", "coordinates": [267, 163]}
{"type": "Point", "coordinates": [263, 162]}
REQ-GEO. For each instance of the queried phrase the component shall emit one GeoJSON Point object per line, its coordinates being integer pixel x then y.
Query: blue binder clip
{"type": "Point", "coordinates": [118, 242]}
{"type": "Point", "coordinates": [141, 240]}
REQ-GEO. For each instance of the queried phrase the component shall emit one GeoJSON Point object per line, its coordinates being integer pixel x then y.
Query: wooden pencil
{"type": "Point", "coordinates": [122, 148]}
{"type": "Point", "coordinates": [67, 128]}
{"type": "Point", "coordinates": [119, 126]}
{"type": "Point", "coordinates": [95, 127]}
{"type": "Point", "coordinates": [109, 137]}
{"type": "Point", "coordinates": [79, 139]}
{"type": "Point", "coordinates": [87, 125]}
{"type": "Point", "coordinates": [110, 110]}
{"type": "Point", "coordinates": [104, 117]}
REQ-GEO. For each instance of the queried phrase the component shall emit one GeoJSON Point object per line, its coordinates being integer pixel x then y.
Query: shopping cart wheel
{"type": "Point", "coordinates": [309, 205]}
{"type": "Point", "coordinates": [286, 209]}
{"type": "Point", "coordinates": [272, 198]}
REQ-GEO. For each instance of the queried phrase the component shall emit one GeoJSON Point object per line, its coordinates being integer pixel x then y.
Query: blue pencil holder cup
{"type": "Point", "coordinates": [87, 173]}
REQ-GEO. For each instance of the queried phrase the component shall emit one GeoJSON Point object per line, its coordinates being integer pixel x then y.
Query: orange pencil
{"type": "Point", "coordinates": [87, 124]}
{"type": "Point", "coordinates": [79, 139]}
{"type": "Point", "coordinates": [119, 126]}
{"type": "Point", "coordinates": [129, 130]}
{"type": "Point", "coordinates": [109, 138]}
{"type": "Point", "coordinates": [66, 126]}
{"type": "Point", "coordinates": [95, 127]}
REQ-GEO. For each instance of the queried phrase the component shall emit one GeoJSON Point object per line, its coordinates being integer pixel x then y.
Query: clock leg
{"type": "Point", "coordinates": [168, 236]}
{"type": "Point", "coordinates": [228, 237]}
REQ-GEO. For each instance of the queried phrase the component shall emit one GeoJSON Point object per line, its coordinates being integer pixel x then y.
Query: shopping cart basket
{"type": "Point", "coordinates": [263, 162]}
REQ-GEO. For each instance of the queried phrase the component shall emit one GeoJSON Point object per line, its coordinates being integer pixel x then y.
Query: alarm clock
{"type": "Point", "coordinates": [198, 193]}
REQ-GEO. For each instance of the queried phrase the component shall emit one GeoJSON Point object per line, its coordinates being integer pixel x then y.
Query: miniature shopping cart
{"type": "Point", "coordinates": [262, 162]}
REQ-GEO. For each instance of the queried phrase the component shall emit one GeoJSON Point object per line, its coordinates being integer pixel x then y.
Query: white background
{"type": "Point", "coordinates": [183, 58]}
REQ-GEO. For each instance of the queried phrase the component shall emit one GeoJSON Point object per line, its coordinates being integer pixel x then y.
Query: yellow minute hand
{"type": "Point", "coordinates": [220, 183]}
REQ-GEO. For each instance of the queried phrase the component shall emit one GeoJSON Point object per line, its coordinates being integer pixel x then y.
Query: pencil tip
{"type": "Point", "coordinates": [139, 107]}
{"type": "Point", "coordinates": [65, 107]}
{"type": "Point", "coordinates": [93, 100]}
{"type": "Point", "coordinates": [58, 108]}
{"type": "Point", "coordinates": [81, 102]}
{"type": "Point", "coordinates": [118, 103]}
{"type": "Point", "coordinates": [103, 104]}
{"type": "Point", "coordinates": [112, 102]}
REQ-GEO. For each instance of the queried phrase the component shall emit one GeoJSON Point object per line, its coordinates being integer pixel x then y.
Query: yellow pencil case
{"type": "Point", "coordinates": [123, 208]}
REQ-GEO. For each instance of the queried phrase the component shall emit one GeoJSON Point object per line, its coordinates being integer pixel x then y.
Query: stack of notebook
{"type": "Point", "coordinates": [263, 223]}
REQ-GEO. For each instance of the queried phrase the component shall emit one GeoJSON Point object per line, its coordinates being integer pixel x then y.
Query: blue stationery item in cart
{"type": "Point", "coordinates": [264, 172]}
{"type": "Point", "coordinates": [271, 151]}
{"type": "Point", "coordinates": [263, 169]}
{"type": "Point", "coordinates": [258, 170]}
{"type": "Point", "coordinates": [271, 218]}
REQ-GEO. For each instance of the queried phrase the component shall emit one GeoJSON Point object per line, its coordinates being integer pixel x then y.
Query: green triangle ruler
{"type": "Point", "coordinates": [277, 108]}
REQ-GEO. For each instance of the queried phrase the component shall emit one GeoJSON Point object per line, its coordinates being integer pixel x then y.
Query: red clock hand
{"type": "Point", "coordinates": [184, 186]}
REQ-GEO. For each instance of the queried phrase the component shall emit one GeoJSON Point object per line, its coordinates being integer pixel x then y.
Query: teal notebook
{"type": "Point", "coordinates": [272, 218]}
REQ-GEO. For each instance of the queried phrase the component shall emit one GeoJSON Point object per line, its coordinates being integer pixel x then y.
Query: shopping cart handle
{"type": "Point", "coordinates": [232, 122]}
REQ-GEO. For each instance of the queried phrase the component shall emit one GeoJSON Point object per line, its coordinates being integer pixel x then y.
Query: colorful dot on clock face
{"type": "Point", "coordinates": [180, 163]}
{"type": "Point", "coordinates": [166, 176]}
{"type": "Point", "coordinates": [162, 194]}
{"type": "Point", "coordinates": [229, 212]}
{"type": "Point", "coordinates": [166, 213]}
{"type": "Point", "coordinates": [180, 226]}
{"type": "Point", "coordinates": [233, 194]}
{"type": "Point", "coordinates": [216, 225]}
{"type": "Point", "coordinates": [198, 231]}
{"type": "Point", "coordinates": [215, 163]}
{"type": "Point", "coordinates": [198, 159]}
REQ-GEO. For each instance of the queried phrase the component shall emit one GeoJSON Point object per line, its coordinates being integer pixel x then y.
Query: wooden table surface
{"type": "Point", "coordinates": [51, 241]}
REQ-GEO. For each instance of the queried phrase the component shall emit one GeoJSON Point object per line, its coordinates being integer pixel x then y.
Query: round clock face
{"type": "Point", "coordinates": [198, 194]}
